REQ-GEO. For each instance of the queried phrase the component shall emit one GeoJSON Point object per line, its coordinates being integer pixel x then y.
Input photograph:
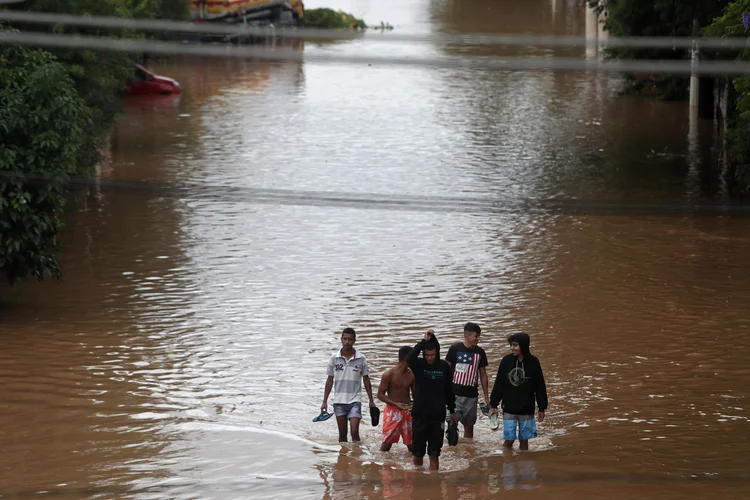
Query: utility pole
{"type": "Point", "coordinates": [694, 82]}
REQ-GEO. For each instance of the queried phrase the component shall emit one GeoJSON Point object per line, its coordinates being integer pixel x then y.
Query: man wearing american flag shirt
{"type": "Point", "coordinates": [468, 362]}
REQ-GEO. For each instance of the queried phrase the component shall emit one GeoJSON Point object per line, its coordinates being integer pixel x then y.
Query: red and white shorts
{"type": "Point", "coordinates": [396, 423]}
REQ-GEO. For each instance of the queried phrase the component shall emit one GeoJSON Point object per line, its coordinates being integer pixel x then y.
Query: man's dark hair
{"type": "Point", "coordinates": [432, 345]}
{"type": "Point", "coordinates": [404, 352]}
{"type": "Point", "coordinates": [472, 328]}
{"type": "Point", "coordinates": [349, 331]}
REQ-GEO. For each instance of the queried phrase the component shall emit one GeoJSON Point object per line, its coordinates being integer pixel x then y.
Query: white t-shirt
{"type": "Point", "coordinates": [347, 377]}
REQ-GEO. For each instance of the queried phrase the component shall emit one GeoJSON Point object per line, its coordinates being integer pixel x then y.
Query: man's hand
{"type": "Point", "coordinates": [493, 411]}
{"type": "Point", "coordinates": [372, 403]}
{"type": "Point", "coordinates": [324, 407]}
{"type": "Point", "coordinates": [429, 334]}
{"type": "Point", "coordinates": [541, 417]}
{"type": "Point", "coordinates": [454, 419]}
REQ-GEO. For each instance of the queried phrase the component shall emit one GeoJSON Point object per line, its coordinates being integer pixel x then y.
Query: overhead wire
{"type": "Point", "coordinates": [733, 43]}
{"type": "Point", "coordinates": [289, 54]}
{"type": "Point", "coordinates": [469, 204]}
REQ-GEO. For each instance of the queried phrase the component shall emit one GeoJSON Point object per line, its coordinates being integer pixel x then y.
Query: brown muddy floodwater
{"type": "Point", "coordinates": [183, 355]}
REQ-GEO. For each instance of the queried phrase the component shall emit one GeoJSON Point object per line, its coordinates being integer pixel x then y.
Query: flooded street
{"type": "Point", "coordinates": [183, 356]}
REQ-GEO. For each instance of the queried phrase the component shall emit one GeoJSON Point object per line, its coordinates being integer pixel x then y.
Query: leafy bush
{"type": "Point", "coordinates": [43, 123]}
{"type": "Point", "coordinates": [735, 22]}
{"type": "Point", "coordinates": [331, 19]}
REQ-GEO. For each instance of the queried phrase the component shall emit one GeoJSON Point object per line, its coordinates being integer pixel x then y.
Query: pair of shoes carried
{"type": "Point", "coordinates": [493, 422]}
{"type": "Point", "coordinates": [451, 434]}
{"type": "Point", "coordinates": [374, 415]}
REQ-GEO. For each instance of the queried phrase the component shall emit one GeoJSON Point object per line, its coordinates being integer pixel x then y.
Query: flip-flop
{"type": "Point", "coordinates": [493, 422]}
{"type": "Point", "coordinates": [324, 415]}
{"type": "Point", "coordinates": [374, 415]}
{"type": "Point", "coordinates": [485, 409]}
{"type": "Point", "coordinates": [452, 434]}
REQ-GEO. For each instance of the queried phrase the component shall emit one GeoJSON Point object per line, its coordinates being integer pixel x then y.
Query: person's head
{"type": "Point", "coordinates": [471, 334]}
{"type": "Point", "coordinates": [348, 338]}
{"type": "Point", "coordinates": [431, 354]}
{"type": "Point", "coordinates": [431, 350]}
{"type": "Point", "coordinates": [403, 353]}
{"type": "Point", "coordinates": [519, 344]}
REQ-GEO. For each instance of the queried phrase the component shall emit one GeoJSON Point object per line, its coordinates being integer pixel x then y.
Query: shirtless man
{"type": "Point", "coordinates": [395, 391]}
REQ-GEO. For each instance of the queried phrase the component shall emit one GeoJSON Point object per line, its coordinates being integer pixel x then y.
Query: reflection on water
{"type": "Point", "coordinates": [357, 474]}
{"type": "Point", "coordinates": [183, 356]}
{"type": "Point", "coordinates": [517, 474]}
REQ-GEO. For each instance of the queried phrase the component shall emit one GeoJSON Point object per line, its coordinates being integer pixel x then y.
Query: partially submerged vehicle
{"type": "Point", "coordinates": [144, 82]}
{"type": "Point", "coordinates": [277, 12]}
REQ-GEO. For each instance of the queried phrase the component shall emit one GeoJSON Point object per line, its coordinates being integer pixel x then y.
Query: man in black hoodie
{"type": "Point", "coordinates": [518, 383]}
{"type": "Point", "coordinates": [433, 392]}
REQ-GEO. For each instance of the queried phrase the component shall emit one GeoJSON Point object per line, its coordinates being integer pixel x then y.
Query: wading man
{"type": "Point", "coordinates": [469, 362]}
{"type": "Point", "coordinates": [346, 371]}
{"type": "Point", "coordinates": [395, 391]}
{"type": "Point", "coordinates": [433, 393]}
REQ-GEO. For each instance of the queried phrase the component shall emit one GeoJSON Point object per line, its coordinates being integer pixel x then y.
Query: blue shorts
{"type": "Point", "coordinates": [352, 410]}
{"type": "Point", "coordinates": [523, 426]}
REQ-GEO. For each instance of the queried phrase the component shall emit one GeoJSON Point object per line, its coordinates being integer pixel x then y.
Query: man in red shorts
{"type": "Point", "coordinates": [395, 391]}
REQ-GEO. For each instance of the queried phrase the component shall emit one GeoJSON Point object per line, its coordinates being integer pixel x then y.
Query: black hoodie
{"type": "Point", "coordinates": [518, 382]}
{"type": "Point", "coordinates": [433, 390]}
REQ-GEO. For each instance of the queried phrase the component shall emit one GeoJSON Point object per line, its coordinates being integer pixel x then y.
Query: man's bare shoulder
{"type": "Point", "coordinates": [401, 375]}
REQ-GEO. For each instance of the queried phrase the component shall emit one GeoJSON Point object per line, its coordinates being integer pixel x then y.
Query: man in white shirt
{"type": "Point", "coordinates": [346, 370]}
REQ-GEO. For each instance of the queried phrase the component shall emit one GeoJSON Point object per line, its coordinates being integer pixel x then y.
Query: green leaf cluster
{"type": "Point", "coordinates": [43, 124]}
{"type": "Point", "coordinates": [730, 25]}
{"type": "Point", "coordinates": [56, 108]}
{"type": "Point", "coordinates": [656, 18]}
{"type": "Point", "coordinates": [332, 19]}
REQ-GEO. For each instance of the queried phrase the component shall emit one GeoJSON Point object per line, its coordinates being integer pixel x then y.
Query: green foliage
{"type": "Point", "coordinates": [738, 134]}
{"type": "Point", "coordinates": [55, 108]}
{"type": "Point", "coordinates": [332, 19]}
{"type": "Point", "coordinates": [729, 24]}
{"type": "Point", "coordinates": [742, 86]}
{"type": "Point", "coordinates": [738, 152]}
{"type": "Point", "coordinates": [177, 10]}
{"type": "Point", "coordinates": [656, 18]}
{"type": "Point", "coordinates": [43, 123]}
{"type": "Point", "coordinates": [101, 76]}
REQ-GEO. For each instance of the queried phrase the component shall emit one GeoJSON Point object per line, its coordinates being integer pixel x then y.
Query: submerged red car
{"type": "Point", "coordinates": [145, 82]}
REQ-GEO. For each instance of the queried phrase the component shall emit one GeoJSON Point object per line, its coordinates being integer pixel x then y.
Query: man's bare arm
{"type": "Point", "coordinates": [485, 384]}
{"type": "Point", "coordinates": [326, 393]}
{"type": "Point", "coordinates": [368, 388]}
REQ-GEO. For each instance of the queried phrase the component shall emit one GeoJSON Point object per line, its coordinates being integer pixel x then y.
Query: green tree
{"type": "Point", "coordinates": [55, 109]}
{"type": "Point", "coordinates": [735, 22]}
{"type": "Point", "coordinates": [43, 123]}
{"type": "Point", "coordinates": [656, 18]}
{"type": "Point", "coordinates": [329, 18]}
{"type": "Point", "coordinates": [101, 76]}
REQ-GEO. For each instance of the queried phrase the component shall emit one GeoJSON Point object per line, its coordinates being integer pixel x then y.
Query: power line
{"type": "Point", "coordinates": [288, 54]}
{"type": "Point", "coordinates": [735, 43]}
{"type": "Point", "coordinates": [378, 201]}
